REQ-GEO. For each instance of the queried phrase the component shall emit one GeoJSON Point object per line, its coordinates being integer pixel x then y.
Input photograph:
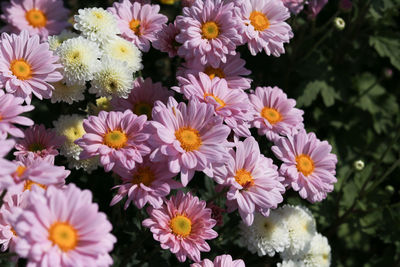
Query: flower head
{"type": "Point", "coordinates": [7, 168]}
{"type": "Point", "coordinates": [315, 6]}
{"type": "Point", "coordinates": [220, 261]}
{"type": "Point", "coordinates": [88, 165]}
{"type": "Point", "coordinates": [182, 225]}
{"type": "Point", "coordinates": [67, 93]}
{"type": "Point", "coordinates": [165, 41]}
{"type": "Point", "coordinates": [56, 40]}
{"type": "Point", "coordinates": [294, 6]}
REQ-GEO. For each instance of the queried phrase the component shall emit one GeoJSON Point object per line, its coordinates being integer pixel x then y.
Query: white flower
{"type": "Point", "coordinates": [56, 40]}
{"type": "Point", "coordinates": [65, 93]}
{"type": "Point", "coordinates": [88, 165]}
{"type": "Point", "coordinates": [301, 226]}
{"type": "Point", "coordinates": [290, 263]}
{"type": "Point", "coordinates": [70, 126]}
{"type": "Point", "coordinates": [266, 235]}
{"type": "Point", "coordinates": [80, 58]}
{"type": "Point", "coordinates": [114, 78]}
{"type": "Point", "coordinates": [96, 24]}
{"type": "Point", "coordinates": [123, 50]}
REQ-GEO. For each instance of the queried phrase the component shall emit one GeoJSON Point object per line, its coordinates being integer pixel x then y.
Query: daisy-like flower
{"type": "Point", "coordinates": [39, 142]}
{"type": "Point", "coordinates": [231, 105]}
{"type": "Point", "coordinates": [142, 97]}
{"type": "Point", "coordinates": [80, 59]}
{"type": "Point", "coordinates": [232, 71]}
{"type": "Point", "coordinates": [63, 228]}
{"type": "Point", "coordinates": [7, 168]}
{"type": "Point", "coordinates": [139, 23]}
{"type": "Point", "coordinates": [123, 50]}
{"type": "Point", "coordinates": [308, 165]}
{"type": "Point", "coordinates": [149, 182]}
{"type": "Point", "coordinates": [208, 32]}
{"type": "Point", "coordinates": [88, 165]}
{"type": "Point", "coordinates": [165, 41]}
{"type": "Point", "coordinates": [96, 24]}
{"type": "Point", "coordinates": [118, 138]}
{"type": "Point", "coordinates": [10, 108]}
{"type": "Point", "coordinates": [182, 225]}
{"type": "Point", "coordinates": [70, 126]}
{"type": "Point", "coordinates": [189, 137]}
{"type": "Point", "coordinates": [266, 235]}
{"type": "Point", "coordinates": [220, 261]}
{"type": "Point", "coordinates": [113, 78]}
{"type": "Point", "coordinates": [56, 40]}
{"type": "Point", "coordinates": [275, 114]}
{"type": "Point", "coordinates": [69, 94]}
{"type": "Point", "coordinates": [294, 6]}
{"type": "Point", "coordinates": [253, 180]}
{"type": "Point", "coordinates": [23, 70]}
{"type": "Point", "coordinates": [40, 17]}
{"type": "Point", "coordinates": [263, 26]}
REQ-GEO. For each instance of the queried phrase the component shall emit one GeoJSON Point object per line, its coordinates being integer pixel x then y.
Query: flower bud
{"type": "Point", "coordinates": [359, 165]}
{"type": "Point", "coordinates": [339, 23]}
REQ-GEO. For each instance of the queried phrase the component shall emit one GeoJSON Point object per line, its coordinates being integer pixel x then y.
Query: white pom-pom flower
{"type": "Point", "coordinates": [123, 50]}
{"type": "Point", "coordinates": [65, 93]}
{"type": "Point", "coordinates": [88, 165]}
{"type": "Point", "coordinates": [56, 40]}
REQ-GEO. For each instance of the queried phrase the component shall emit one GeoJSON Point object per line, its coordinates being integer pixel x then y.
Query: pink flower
{"type": "Point", "coordinates": [142, 97]}
{"type": "Point", "coordinates": [42, 17]}
{"type": "Point", "coordinates": [187, 3]}
{"type": "Point", "coordinates": [40, 142]}
{"type": "Point", "coordinates": [139, 23]}
{"type": "Point", "coordinates": [232, 71]}
{"type": "Point", "coordinates": [189, 137]}
{"type": "Point", "coordinates": [182, 225]}
{"type": "Point", "coordinates": [27, 66]}
{"type": "Point", "coordinates": [315, 6]}
{"type": "Point", "coordinates": [231, 105]}
{"type": "Point", "coordinates": [7, 168]}
{"type": "Point", "coordinates": [253, 180]}
{"type": "Point", "coordinates": [263, 26]}
{"type": "Point", "coordinates": [63, 228]}
{"type": "Point", "coordinates": [217, 213]}
{"type": "Point", "coordinates": [10, 108]}
{"type": "Point", "coordinates": [308, 165]}
{"type": "Point", "coordinates": [165, 39]}
{"type": "Point", "coordinates": [220, 261]}
{"type": "Point", "coordinates": [148, 182]}
{"type": "Point", "coordinates": [208, 32]}
{"type": "Point", "coordinates": [275, 114]}
{"type": "Point", "coordinates": [118, 138]}
{"type": "Point", "coordinates": [294, 6]}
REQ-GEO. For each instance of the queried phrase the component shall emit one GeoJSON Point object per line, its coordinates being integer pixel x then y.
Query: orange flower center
{"type": "Point", "coordinates": [212, 72]}
{"type": "Point", "coordinates": [28, 185]}
{"type": "Point", "coordinates": [210, 30]}
{"type": "Point", "coordinates": [143, 175]}
{"type": "Point", "coordinates": [63, 235]}
{"type": "Point", "coordinates": [21, 69]}
{"type": "Point", "coordinates": [271, 115]}
{"type": "Point", "coordinates": [217, 99]}
{"type": "Point", "coordinates": [244, 178]}
{"type": "Point", "coordinates": [189, 138]}
{"type": "Point", "coordinates": [142, 108]}
{"type": "Point", "coordinates": [115, 139]}
{"type": "Point", "coordinates": [181, 225]}
{"type": "Point", "coordinates": [259, 21]}
{"type": "Point", "coordinates": [135, 26]}
{"type": "Point", "coordinates": [36, 18]}
{"type": "Point", "coordinates": [20, 170]}
{"type": "Point", "coordinates": [305, 164]}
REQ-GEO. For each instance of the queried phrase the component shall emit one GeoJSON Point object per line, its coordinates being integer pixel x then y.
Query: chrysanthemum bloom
{"type": "Point", "coordinates": [96, 24]}
{"type": "Point", "coordinates": [275, 114]}
{"type": "Point", "coordinates": [231, 105]}
{"type": "Point", "coordinates": [253, 180]}
{"type": "Point", "coordinates": [102, 103]}
{"type": "Point", "coordinates": [208, 32]}
{"type": "Point", "coordinates": [165, 39]}
{"type": "Point", "coordinates": [216, 213]}
{"type": "Point", "coordinates": [123, 50]}
{"type": "Point", "coordinates": [63, 228]}
{"type": "Point", "coordinates": [182, 225]}
{"type": "Point", "coordinates": [294, 6]}
{"type": "Point", "coordinates": [56, 40]}
{"type": "Point", "coordinates": [139, 23]}
{"type": "Point", "coordinates": [142, 97]}
{"type": "Point", "coordinates": [88, 165]}
{"type": "Point", "coordinates": [263, 26]}
{"type": "Point", "coordinates": [70, 126]}
{"type": "Point", "coordinates": [118, 138]}
{"type": "Point", "coordinates": [232, 71]}
{"type": "Point", "coordinates": [149, 182]}
{"type": "Point", "coordinates": [69, 94]}
{"type": "Point", "coordinates": [39, 142]}
{"type": "Point", "coordinates": [301, 226]}
{"type": "Point", "coordinates": [189, 137]}
{"type": "Point", "coordinates": [27, 66]}
{"type": "Point", "coordinates": [308, 165]}
{"type": "Point", "coordinates": [266, 235]}
{"type": "Point", "coordinates": [80, 59]}
{"type": "Point", "coordinates": [10, 108]}
{"type": "Point", "coordinates": [41, 17]}
{"type": "Point", "coordinates": [7, 168]}
{"type": "Point", "coordinates": [187, 3]}
{"type": "Point", "coordinates": [315, 6]}
{"type": "Point", "coordinates": [220, 261]}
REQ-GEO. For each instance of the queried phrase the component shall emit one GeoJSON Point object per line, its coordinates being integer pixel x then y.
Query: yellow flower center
{"type": "Point", "coordinates": [305, 164]}
{"type": "Point", "coordinates": [63, 235]}
{"type": "Point", "coordinates": [135, 26]}
{"type": "Point", "coordinates": [20, 170]}
{"type": "Point", "coordinates": [142, 108]}
{"type": "Point", "coordinates": [143, 175]}
{"type": "Point", "coordinates": [98, 15]}
{"type": "Point", "coordinates": [271, 115]}
{"type": "Point", "coordinates": [212, 72]}
{"type": "Point", "coordinates": [21, 69]}
{"type": "Point", "coordinates": [244, 178]}
{"type": "Point", "coordinates": [259, 21]}
{"type": "Point", "coordinates": [115, 139]}
{"type": "Point", "coordinates": [210, 30]}
{"type": "Point", "coordinates": [28, 185]}
{"type": "Point", "coordinates": [181, 225]}
{"type": "Point", "coordinates": [189, 138]}
{"type": "Point", "coordinates": [36, 18]}
{"type": "Point", "coordinates": [217, 99]}
{"type": "Point", "coordinates": [35, 147]}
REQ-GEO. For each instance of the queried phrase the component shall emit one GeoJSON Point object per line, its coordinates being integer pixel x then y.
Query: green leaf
{"type": "Point", "coordinates": [387, 46]}
{"type": "Point", "coordinates": [311, 93]}
{"type": "Point", "coordinates": [328, 95]}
